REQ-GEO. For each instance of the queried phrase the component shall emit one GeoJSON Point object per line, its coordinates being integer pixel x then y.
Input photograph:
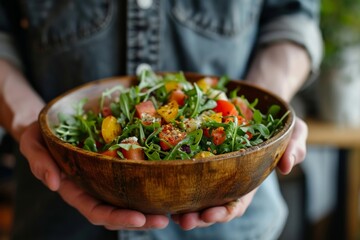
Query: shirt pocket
{"type": "Point", "coordinates": [53, 23]}
{"type": "Point", "coordinates": [216, 18]}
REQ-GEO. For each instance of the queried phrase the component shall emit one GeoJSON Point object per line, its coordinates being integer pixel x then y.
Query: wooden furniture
{"type": "Point", "coordinates": [323, 133]}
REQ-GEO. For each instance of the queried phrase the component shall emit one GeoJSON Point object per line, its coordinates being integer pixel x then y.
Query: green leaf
{"type": "Point", "coordinates": [90, 144]}
{"type": "Point", "coordinates": [274, 110]}
{"type": "Point", "coordinates": [257, 117]}
{"type": "Point", "coordinates": [124, 105]}
{"type": "Point", "coordinates": [223, 81]}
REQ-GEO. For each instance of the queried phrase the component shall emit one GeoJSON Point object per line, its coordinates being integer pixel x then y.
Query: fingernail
{"type": "Point", "coordinates": [47, 181]}
{"type": "Point", "coordinates": [291, 165]}
{"type": "Point", "coordinates": [292, 160]}
{"type": "Point", "coordinates": [46, 178]}
{"type": "Point", "coordinates": [219, 215]}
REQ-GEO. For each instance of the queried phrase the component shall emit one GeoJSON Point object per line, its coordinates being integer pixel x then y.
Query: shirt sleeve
{"type": "Point", "coordinates": [296, 21]}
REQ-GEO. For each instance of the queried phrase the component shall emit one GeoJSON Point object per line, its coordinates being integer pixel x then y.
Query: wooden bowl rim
{"type": "Point", "coordinates": [47, 131]}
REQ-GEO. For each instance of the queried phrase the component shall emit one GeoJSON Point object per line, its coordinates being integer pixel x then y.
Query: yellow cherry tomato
{"type": "Point", "coordinates": [110, 128]}
{"type": "Point", "coordinates": [203, 154]}
{"type": "Point", "coordinates": [206, 83]}
{"type": "Point", "coordinates": [172, 85]}
{"type": "Point", "coordinates": [169, 111]}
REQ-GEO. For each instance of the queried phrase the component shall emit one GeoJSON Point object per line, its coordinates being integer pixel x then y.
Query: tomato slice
{"type": "Point", "coordinates": [170, 136]}
{"type": "Point", "coordinates": [106, 111]}
{"type": "Point", "coordinates": [245, 110]}
{"type": "Point", "coordinates": [169, 111]}
{"type": "Point", "coordinates": [110, 153]}
{"type": "Point", "coordinates": [249, 135]}
{"type": "Point", "coordinates": [218, 135]}
{"type": "Point", "coordinates": [146, 107]}
{"type": "Point", "coordinates": [226, 108]}
{"type": "Point", "coordinates": [179, 96]}
{"type": "Point", "coordinates": [133, 153]}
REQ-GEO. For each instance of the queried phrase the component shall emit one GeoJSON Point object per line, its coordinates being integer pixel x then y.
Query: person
{"type": "Point", "coordinates": [51, 46]}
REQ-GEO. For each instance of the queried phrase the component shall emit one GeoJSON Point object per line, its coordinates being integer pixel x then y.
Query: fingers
{"type": "Point", "coordinates": [213, 215]}
{"type": "Point", "coordinates": [229, 211]}
{"type": "Point", "coordinates": [99, 213]}
{"type": "Point", "coordinates": [41, 163]}
{"type": "Point", "coordinates": [296, 150]}
{"type": "Point", "coordinates": [190, 221]}
{"type": "Point", "coordinates": [45, 169]}
{"type": "Point", "coordinates": [152, 222]}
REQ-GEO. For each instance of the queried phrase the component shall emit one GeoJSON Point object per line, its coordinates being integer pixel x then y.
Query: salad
{"type": "Point", "coordinates": [167, 117]}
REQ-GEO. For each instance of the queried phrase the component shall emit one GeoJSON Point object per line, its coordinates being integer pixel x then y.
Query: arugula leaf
{"type": "Point", "coordinates": [83, 128]}
{"type": "Point", "coordinates": [273, 110]}
{"type": "Point", "coordinates": [90, 144]}
{"type": "Point", "coordinates": [223, 81]}
{"type": "Point", "coordinates": [257, 116]}
{"type": "Point", "coordinates": [196, 99]}
{"type": "Point", "coordinates": [125, 105]}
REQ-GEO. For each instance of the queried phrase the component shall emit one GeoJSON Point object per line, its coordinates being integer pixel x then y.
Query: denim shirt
{"type": "Point", "coordinates": [70, 42]}
{"type": "Point", "coordinates": [61, 44]}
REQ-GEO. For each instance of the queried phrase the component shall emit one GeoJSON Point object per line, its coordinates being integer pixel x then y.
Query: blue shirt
{"type": "Point", "coordinates": [61, 44]}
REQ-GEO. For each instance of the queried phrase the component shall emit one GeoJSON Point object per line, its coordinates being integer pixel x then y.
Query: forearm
{"type": "Point", "coordinates": [19, 104]}
{"type": "Point", "coordinates": [281, 67]}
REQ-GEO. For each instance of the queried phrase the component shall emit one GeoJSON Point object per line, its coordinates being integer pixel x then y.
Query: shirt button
{"type": "Point", "coordinates": [144, 4]}
{"type": "Point", "coordinates": [142, 67]}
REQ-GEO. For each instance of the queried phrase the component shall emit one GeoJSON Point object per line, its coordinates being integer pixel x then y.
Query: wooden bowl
{"type": "Point", "coordinates": [159, 187]}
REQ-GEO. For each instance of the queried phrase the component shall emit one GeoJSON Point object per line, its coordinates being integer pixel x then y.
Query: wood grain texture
{"type": "Point", "coordinates": [174, 186]}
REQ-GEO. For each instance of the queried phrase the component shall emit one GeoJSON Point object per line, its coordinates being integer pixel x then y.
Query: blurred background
{"type": "Point", "coordinates": [323, 193]}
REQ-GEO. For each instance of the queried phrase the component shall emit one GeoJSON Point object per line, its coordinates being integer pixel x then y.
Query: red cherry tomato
{"type": "Point", "coordinates": [170, 136]}
{"type": "Point", "coordinates": [218, 135]}
{"type": "Point", "coordinates": [179, 96]}
{"type": "Point", "coordinates": [226, 108]}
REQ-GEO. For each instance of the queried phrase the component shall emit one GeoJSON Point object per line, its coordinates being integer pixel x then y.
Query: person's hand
{"type": "Point", "coordinates": [282, 68]}
{"type": "Point", "coordinates": [294, 154]}
{"type": "Point", "coordinates": [296, 150]}
{"type": "Point", "coordinates": [218, 214]}
{"type": "Point", "coordinates": [46, 170]}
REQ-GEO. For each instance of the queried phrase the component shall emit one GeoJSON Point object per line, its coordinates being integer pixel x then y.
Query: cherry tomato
{"type": "Point", "coordinates": [179, 96]}
{"type": "Point", "coordinates": [169, 111]}
{"type": "Point", "coordinates": [111, 153]}
{"type": "Point", "coordinates": [226, 108]}
{"type": "Point", "coordinates": [172, 85]}
{"type": "Point", "coordinates": [218, 135]}
{"type": "Point", "coordinates": [170, 136]}
{"type": "Point", "coordinates": [133, 153]}
{"type": "Point", "coordinates": [106, 111]}
{"type": "Point", "coordinates": [249, 135]}
{"type": "Point", "coordinates": [207, 83]}
{"type": "Point", "coordinates": [110, 128]}
{"type": "Point", "coordinates": [145, 108]}
{"type": "Point", "coordinates": [245, 111]}
{"type": "Point", "coordinates": [203, 154]}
